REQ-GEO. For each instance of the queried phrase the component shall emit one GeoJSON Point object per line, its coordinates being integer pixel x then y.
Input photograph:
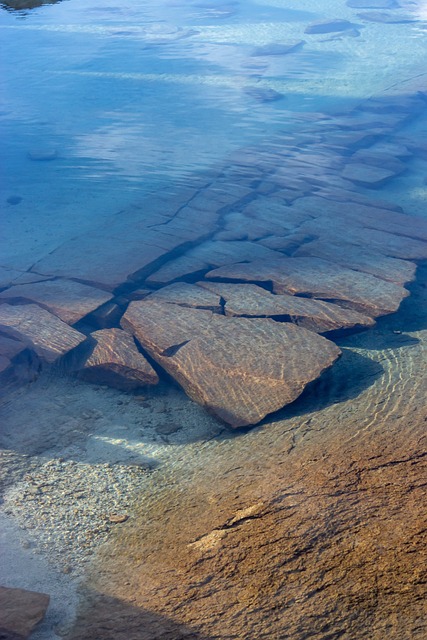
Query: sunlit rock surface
{"type": "Point", "coordinates": [239, 369]}
{"type": "Point", "coordinates": [45, 333]}
{"type": "Point", "coordinates": [68, 300]}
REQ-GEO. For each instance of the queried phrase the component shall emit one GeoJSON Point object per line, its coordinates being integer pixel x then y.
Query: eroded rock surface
{"type": "Point", "coordinates": [239, 369]}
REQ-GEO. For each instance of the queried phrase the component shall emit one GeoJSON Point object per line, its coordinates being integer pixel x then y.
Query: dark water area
{"type": "Point", "coordinates": [213, 253]}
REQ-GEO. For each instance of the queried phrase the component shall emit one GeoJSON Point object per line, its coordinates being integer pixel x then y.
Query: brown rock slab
{"type": "Point", "coordinates": [188, 295]}
{"type": "Point", "coordinates": [116, 361]}
{"type": "Point", "coordinates": [20, 612]}
{"type": "Point", "coordinates": [42, 331]}
{"type": "Point", "coordinates": [240, 369]}
{"type": "Point", "coordinates": [317, 278]}
{"type": "Point", "coordinates": [68, 300]}
{"type": "Point", "coordinates": [316, 315]}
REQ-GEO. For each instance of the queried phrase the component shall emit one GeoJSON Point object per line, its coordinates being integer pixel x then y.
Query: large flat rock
{"type": "Point", "coordinates": [42, 331]}
{"type": "Point", "coordinates": [360, 259]}
{"type": "Point", "coordinates": [116, 361]}
{"type": "Point", "coordinates": [20, 612]}
{"type": "Point", "coordinates": [317, 278]}
{"type": "Point", "coordinates": [253, 301]}
{"type": "Point", "coordinates": [188, 295]}
{"type": "Point", "coordinates": [240, 369]}
{"type": "Point", "coordinates": [68, 300]}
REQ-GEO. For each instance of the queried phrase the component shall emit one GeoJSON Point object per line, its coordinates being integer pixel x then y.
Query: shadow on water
{"type": "Point", "coordinates": [111, 619]}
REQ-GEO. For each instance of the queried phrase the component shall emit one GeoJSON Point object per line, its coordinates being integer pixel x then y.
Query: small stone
{"type": "Point", "coordinates": [117, 518]}
{"type": "Point", "coordinates": [14, 200]}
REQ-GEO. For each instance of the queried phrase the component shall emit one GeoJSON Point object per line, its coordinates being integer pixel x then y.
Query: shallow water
{"type": "Point", "coordinates": [106, 108]}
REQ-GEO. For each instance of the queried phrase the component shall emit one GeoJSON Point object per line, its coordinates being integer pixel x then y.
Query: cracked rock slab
{"type": "Point", "coordinates": [68, 300]}
{"type": "Point", "coordinates": [116, 361]}
{"type": "Point", "coordinates": [240, 369]}
{"type": "Point", "coordinates": [317, 278]}
{"type": "Point", "coordinates": [316, 315]}
{"type": "Point", "coordinates": [46, 334]}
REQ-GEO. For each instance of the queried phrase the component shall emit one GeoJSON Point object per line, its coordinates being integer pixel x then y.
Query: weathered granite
{"type": "Point", "coordinates": [188, 295]}
{"type": "Point", "coordinates": [115, 361]}
{"type": "Point", "coordinates": [240, 369]}
{"type": "Point", "coordinates": [319, 278]}
{"type": "Point", "coordinates": [68, 300]}
{"type": "Point", "coordinates": [252, 301]}
{"type": "Point", "coordinates": [46, 334]}
{"type": "Point", "coordinates": [20, 612]}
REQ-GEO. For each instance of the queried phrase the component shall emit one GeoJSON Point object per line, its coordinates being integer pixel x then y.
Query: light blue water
{"type": "Point", "coordinates": [132, 96]}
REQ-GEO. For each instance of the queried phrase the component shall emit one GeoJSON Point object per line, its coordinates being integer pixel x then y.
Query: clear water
{"type": "Point", "coordinates": [133, 97]}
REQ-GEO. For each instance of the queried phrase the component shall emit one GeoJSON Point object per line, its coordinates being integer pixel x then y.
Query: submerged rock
{"type": "Point", "coordinates": [116, 362]}
{"type": "Point", "coordinates": [68, 300]}
{"type": "Point", "coordinates": [367, 175]}
{"type": "Point", "coordinates": [239, 369]}
{"type": "Point", "coordinates": [263, 94]}
{"type": "Point", "coordinates": [317, 278]}
{"type": "Point", "coordinates": [252, 301]}
{"type": "Point", "coordinates": [20, 612]}
{"type": "Point", "coordinates": [385, 18]}
{"type": "Point", "coordinates": [46, 334]}
{"type": "Point", "coordinates": [372, 4]}
{"type": "Point", "coordinates": [329, 26]}
{"type": "Point", "coordinates": [277, 49]}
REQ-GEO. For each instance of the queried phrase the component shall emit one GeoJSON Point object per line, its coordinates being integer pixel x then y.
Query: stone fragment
{"type": "Point", "coordinates": [116, 361]}
{"type": "Point", "coordinates": [68, 300]}
{"type": "Point", "coordinates": [317, 278]}
{"type": "Point", "coordinates": [20, 612]}
{"type": "Point", "coordinates": [367, 175]}
{"type": "Point", "coordinates": [105, 316]}
{"type": "Point", "coordinates": [277, 49]}
{"type": "Point", "coordinates": [360, 259]}
{"type": "Point", "coordinates": [240, 369]}
{"type": "Point", "coordinates": [329, 26]}
{"type": "Point", "coordinates": [42, 331]}
{"type": "Point", "coordinates": [188, 295]}
{"type": "Point", "coordinates": [252, 301]}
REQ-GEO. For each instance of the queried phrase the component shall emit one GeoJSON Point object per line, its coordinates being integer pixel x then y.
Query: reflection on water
{"type": "Point", "coordinates": [233, 161]}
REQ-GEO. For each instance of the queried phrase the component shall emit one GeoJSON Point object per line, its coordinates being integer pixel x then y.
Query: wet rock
{"type": "Point", "coordinates": [252, 301]}
{"type": "Point", "coordinates": [9, 348]}
{"type": "Point", "coordinates": [105, 316]}
{"type": "Point", "coordinates": [42, 331]}
{"type": "Point", "coordinates": [329, 26]}
{"type": "Point", "coordinates": [317, 278]}
{"type": "Point", "coordinates": [263, 94]}
{"type": "Point", "coordinates": [360, 259]}
{"type": "Point", "coordinates": [188, 295]}
{"type": "Point", "coordinates": [68, 300]}
{"type": "Point", "coordinates": [367, 175]}
{"type": "Point", "coordinates": [276, 49]}
{"type": "Point", "coordinates": [20, 612]}
{"type": "Point", "coordinates": [240, 369]}
{"type": "Point", "coordinates": [115, 361]}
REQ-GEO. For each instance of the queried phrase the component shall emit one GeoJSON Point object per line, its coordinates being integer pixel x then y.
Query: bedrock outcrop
{"type": "Point", "coordinates": [240, 369]}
